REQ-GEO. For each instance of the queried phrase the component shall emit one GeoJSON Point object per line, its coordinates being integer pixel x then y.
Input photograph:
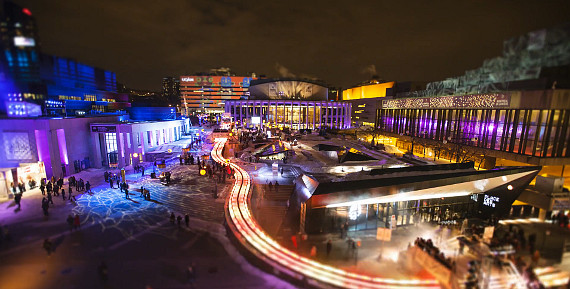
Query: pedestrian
{"type": "Point", "coordinates": [17, 199]}
{"type": "Point", "coordinates": [187, 220]}
{"type": "Point", "coordinates": [76, 222]}
{"type": "Point", "coordinates": [70, 222]}
{"type": "Point", "coordinates": [48, 246]}
{"type": "Point", "coordinates": [329, 247]}
{"type": "Point", "coordinates": [63, 194]}
{"type": "Point", "coordinates": [106, 175]}
{"type": "Point", "coordinates": [191, 274]}
{"type": "Point", "coordinates": [45, 206]}
{"type": "Point", "coordinates": [43, 189]}
{"type": "Point", "coordinates": [111, 183]}
{"type": "Point", "coordinates": [88, 187]}
{"type": "Point", "coordinates": [314, 252]}
{"type": "Point", "coordinates": [142, 169]}
{"type": "Point", "coordinates": [179, 220]}
{"type": "Point", "coordinates": [172, 218]}
{"type": "Point", "coordinates": [49, 198]}
{"type": "Point", "coordinates": [127, 194]}
{"type": "Point", "coordinates": [142, 192]}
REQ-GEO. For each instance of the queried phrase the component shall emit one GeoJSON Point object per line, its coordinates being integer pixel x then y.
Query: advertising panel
{"type": "Point", "coordinates": [17, 146]}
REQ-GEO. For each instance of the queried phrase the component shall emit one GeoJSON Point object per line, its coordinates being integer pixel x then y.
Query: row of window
{"type": "Point", "coordinates": [541, 133]}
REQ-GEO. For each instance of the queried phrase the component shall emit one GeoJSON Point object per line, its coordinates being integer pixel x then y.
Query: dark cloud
{"type": "Point", "coordinates": [145, 40]}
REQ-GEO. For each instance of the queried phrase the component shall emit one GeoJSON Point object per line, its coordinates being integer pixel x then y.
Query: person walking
{"type": "Point", "coordinates": [172, 218]}
{"type": "Point", "coordinates": [142, 192]}
{"type": "Point", "coordinates": [87, 187]}
{"type": "Point", "coordinates": [111, 182]}
{"type": "Point", "coordinates": [17, 200]}
{"type": "Point", "coordinates": [329, 247]}
{"type": "Point", "coordinates": [76, 222]}
{"type": "Point", "coordinates": [45, 206]}
{"type": "Point", "coordinates": [127, 194]}
{"type": "Point", "coordinates": [70, 222]}
{"type": "Point", "coordinates": [47, 246]}
{"type": "Point", "coordinates": [179, 221]}
{"type": "Point", "coordinates": [142, 170]}
{"type": "Point", "coordinates": [187, 220]}
{"type": "Point", "coordinates": [49, 198]}
{"type": "Point", "coordinates": [63, 194]}
{"type": "Point", "coordinates": [191, 275]}
{"type": "Point", "coordinates": [43, 189]}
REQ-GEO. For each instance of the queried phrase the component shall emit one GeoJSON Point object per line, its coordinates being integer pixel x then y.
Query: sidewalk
{"type": "Point", "coordinates": [133, 236]}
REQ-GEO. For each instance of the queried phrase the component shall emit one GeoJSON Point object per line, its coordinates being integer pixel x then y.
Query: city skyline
{"type": "Point", "coordinates": [145, 42]}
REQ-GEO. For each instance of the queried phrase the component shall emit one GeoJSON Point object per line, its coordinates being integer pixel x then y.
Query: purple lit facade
{"type": "Point", "coordinates": [528, 126]}
{"type": "Point", "coordinates": [296, 114]}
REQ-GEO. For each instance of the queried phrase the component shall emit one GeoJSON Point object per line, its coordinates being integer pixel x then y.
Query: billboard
{"type": "Point", "coordinates": [17, 146]}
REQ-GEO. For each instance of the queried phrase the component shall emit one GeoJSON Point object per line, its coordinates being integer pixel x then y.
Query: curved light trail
{"type": "Point", "coordinates": [250, 234]}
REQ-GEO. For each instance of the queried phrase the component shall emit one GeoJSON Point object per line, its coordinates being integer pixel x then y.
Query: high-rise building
{"type": "Point", "coordinates": [20, 59]}
{"type": "Point", "coordinates": [171, 90]}
{"type": "Point", "coordinates": [34, 84]}
{"type": "Point", "coordinates": [207, 93]}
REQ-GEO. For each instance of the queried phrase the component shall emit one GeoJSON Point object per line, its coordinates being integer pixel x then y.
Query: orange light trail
{"type": "Point", "coordinates": [252, 237]}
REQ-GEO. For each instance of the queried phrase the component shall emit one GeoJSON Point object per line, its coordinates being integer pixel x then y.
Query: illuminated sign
{"type": "Point", "coordinates": [490, 201]}
{"type": "Point", "coordinates": [22, 41]}
{"type": "Point", "coordinates": [104, 128]}
{"type": "Point", "coordinates": [187, 79]}
{"type": "Point", "coordinates": [255, 120]}
{"type": "Point", "coordinates": [474, 197]}
{"type": "Point", "coordinates": [492, 100]}
{"type": "Point", "coordinates": [354, 212]}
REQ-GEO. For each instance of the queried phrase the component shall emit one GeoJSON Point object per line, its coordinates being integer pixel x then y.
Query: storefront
{"type": "Point", "coordinates": [30, 174]}
{"type": "Point", "coordinates": [405, 196]}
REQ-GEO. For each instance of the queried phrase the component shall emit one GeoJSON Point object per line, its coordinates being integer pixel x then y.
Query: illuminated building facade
{"type": "Point", "coordinates": [365, 99]}
{"type": "Point", "coordinates": [295, 114]}
{"type": "Point", "coordinates": [35, 148]}
{"type": "Point", "coordinates": [208, 93]}
{"type": "Point", "coordinates": [368, 90]}
{"type": "Point", "coordinates": [34, 84]}
{"type": "Point", "coordinates": [526, 126]}
{"type": "Point", "coordinates": [409, 195]}
{"type": "Point", "coordinates": [293, 103]}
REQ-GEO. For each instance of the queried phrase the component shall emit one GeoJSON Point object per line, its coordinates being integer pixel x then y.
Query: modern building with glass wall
{"type": "Point", "coordinates": [526, 126]}
{"type": "Point", "coordinates": [406, 196]}
{"type": "Point", "coordinates": [293, 103]}
{"type": "Point", "coordinates": [288, 113]}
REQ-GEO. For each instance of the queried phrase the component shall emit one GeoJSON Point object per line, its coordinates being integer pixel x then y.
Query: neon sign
{"type": "Point", "coordinates": [490, 201]}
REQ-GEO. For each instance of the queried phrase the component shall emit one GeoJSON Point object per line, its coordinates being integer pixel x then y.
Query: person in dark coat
{"type": "Point", "coordinates": [187, 220]}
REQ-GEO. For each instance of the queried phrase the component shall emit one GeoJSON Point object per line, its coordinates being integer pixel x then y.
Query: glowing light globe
{"type": "Point", "coordinates": [135, 155]}
{"type": "Point", "coordinates": [202, 172]}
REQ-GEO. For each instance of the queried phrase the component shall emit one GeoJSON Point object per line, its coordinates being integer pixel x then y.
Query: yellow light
{"type": "Point", "coordinates": [231, 134]}
{"type": "Point", "coordinates": [136, 155]}
{"type": "Point", "coordinates": [169, 150]}
{"type": "Point", "coordinates": [202, 130]}
{"type": "Point", "coordinates": [202, 172]}
{"type": "Point", "coordinates": [197, 134]}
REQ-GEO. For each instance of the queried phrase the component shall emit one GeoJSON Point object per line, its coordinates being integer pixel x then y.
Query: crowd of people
{"type": "Point", "coordinates": [432, 250]}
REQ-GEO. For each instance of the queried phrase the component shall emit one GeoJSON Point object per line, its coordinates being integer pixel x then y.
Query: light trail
{"type": "Point", "coordinates": [252, 237]}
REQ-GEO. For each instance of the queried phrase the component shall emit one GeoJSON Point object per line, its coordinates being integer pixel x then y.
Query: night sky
{"type": "Point", "coordinates": [340, 42]}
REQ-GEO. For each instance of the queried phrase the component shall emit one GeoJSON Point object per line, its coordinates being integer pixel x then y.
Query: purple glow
{"type": "Point", "coordinates": [62, 146]}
